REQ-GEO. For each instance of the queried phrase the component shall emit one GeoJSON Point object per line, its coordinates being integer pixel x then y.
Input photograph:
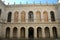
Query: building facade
{"type": "Point", "coordinates": [30, 21]}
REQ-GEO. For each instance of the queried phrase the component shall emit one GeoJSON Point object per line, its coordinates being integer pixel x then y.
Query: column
{"type": "Point", "coordinates": [19, 18]}
{"type": "Point", "coordinates": [34, 17]}
{"type": "Point", "coordinates": [42, 18]}
{"type": "Point", "coordinates": [49, 16]}
{"type": "Point", "coordinates": [35, 33]}
{"type": "Point", "coordinates": [18, 33]}
{"type": "Point", "coordinates": [11, 33]}
{"type": "Point", "coordinates": [51, 33]}
{"type": "Point", "coordinates": [26, 33]}
{"type": "Point", "coordinates": [26, 17]}
{"type": "Point", "coordinates": [0, 31]}
{"type": "Point", "coordinates": [43, 33]}
{"type": "Point", "coordinates": [12, 18]}
{"type": "Point", "coordinates": [3, 33]}
{"type": "Point", "coordinates": [58, 31]}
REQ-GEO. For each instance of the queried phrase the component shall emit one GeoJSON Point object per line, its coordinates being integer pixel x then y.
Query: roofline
{"type": "Point", "coordinates": [33, 5]}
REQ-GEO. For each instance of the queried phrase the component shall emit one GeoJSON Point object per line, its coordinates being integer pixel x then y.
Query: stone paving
{"type": "Point", "coordinates": [29, 39]}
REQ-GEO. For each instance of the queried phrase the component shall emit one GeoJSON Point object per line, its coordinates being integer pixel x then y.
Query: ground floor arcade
{"type": "Point", "coordinates": [31, 32]}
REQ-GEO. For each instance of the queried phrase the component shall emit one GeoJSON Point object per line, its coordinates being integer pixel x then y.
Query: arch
{"type": "Point", "coordinates": [45, 14]}
{"type": "Point", "coordinates": [0, 12]}
{"type": "Point", "coordinates": [54, 32]}
{"type": "Point", "coordinates": [39, 32]}
{"type": "Point", "coordinates": [38, 16]}
{"type": "Point", "coordinates": [52, 16]}
{"type": "Point", "coordinates": [14, 32]}
{"type": "Point", "coordinates": [30, 16]}
{"type": "Point", "coordinates": [23, 15]}
{"type": "Point", "coordinates": [16, 16]}
{"type": "Point", "coordinates": [9, 17]}
{"type": "Point", "coordinates": [22, 32]}
{"type": "Point", "coordinates": [7, 32]}
{"type": "Point", "coordinates": [31, 32]}
{"type": "Point", "coordinates": [47, 32]}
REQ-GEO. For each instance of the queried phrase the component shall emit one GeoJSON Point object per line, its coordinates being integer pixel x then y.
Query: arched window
{"type": "Point", "coordinates": [47, 32]}
{"type": "Point", "coordinates": [39, 32]}
{"type": "Point", "coordinates": [30, 16]}
{"type": "Point", "coordinates": [45, 14]}
{"type": "Point", "coordinates": [9, 17]}
{"type": "Point", "coordinates": [0, 12]}
{"type": "Point", "coordinates": [54, 32]}
{"type": "Point", "coordinates": [23, 15]}
{"type": "Point", "coordinates": [16, 16]}
{"type": "Point", "coordinates": [14, 32]}
{"type": "Point", "coordinates": [22, 32]}
{"type": "Point", "coordinates": [7, 32]}
{"type": "Point", "coordinates": [52, 16]}
{"type": "Point", "coordinates": [38, 16]}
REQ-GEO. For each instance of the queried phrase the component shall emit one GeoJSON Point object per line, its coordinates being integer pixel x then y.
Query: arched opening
{"type": "Point", "coordinates": [54, 32]}
{"type": "Point", "coordinates": [23, 15]}
{"type": "Point", "coordinates": [45, 14]}
{"type": "Point", "coordinates": [31, 32]}
{"type": "Point", "coordinates": [22, 32]}
{"type": "Point", "coordinates": [9, 17]}
{"type": "Point", "coordinates": [52, 16]}
{"type": "Point", "coordinates": [39, 32]}
{"type": "Point", "coordinates": [16, 16]}
{"type": "Point", "coordinates": [7, 32]}
{"type": "Point", "coordinates": [0, 12]}
{"type": "Point", "coordinates": [38, 16]}
{"type": "Point", "coordinates": [47, 32]}
{"type": "Point", "coordinates": [14, 32]}
{"type": "Point", "coordinates": [30, 16]}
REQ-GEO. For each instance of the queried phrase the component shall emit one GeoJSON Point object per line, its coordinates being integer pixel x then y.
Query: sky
{"type": "Point", "coordinates": [29, 1]}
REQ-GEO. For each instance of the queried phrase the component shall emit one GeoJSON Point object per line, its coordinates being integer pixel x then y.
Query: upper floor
{"type": "Point", "coordinates": [35, 13]}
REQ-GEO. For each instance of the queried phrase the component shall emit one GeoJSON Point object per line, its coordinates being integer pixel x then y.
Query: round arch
{"type": "Point", "coordinates": [45, 14]}
{"type": "Point", "coordinates": [54, 32]}
{"type": "Point", "coordinates": [16, 13]}
{"type": "Point", "coordinates": [22, 32]}
{"type": "Point", "coordinates": [9, 16]}
{"type": "Point", "coordinates": [7, 32]}
{"type": "Point", "coordinates": [39, 32]}
{"type": "Point", "coordinates": [47, 32]}
{"type": "Point", "coordinates": [15, 32]}
{"type": "Point", "coordinates": [38, 16]}
{"type": "Point", "coordinates": [30, 16]}
{"type": "Point", "coordinates": [52, 15]}
{"type": "Point", "coordinates": [23, 15]}
{"type": "Point", "coordinates": [31, 32]}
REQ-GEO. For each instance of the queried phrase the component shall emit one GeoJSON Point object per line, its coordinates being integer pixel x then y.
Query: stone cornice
{"type": "Point", "coordinates": [31, 5]}
{"type": "Point", "coordinates": [34, 23]}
